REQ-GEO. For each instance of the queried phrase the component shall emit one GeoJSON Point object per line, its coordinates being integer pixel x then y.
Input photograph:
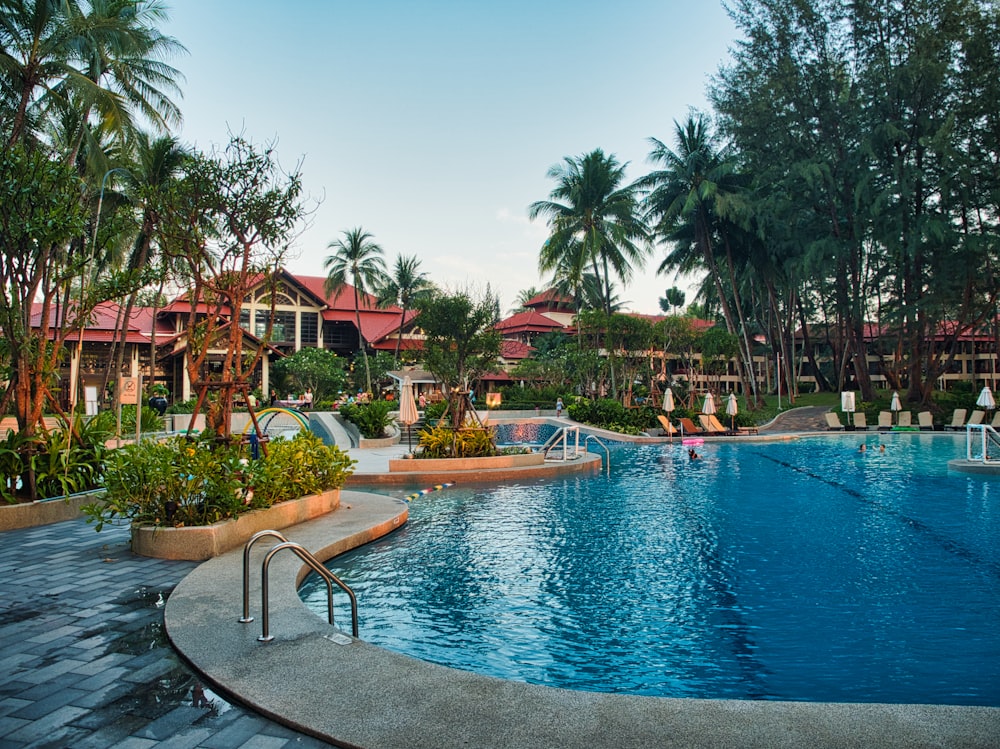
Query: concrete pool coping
{"type": "Point", "coordinates": [318, 680]}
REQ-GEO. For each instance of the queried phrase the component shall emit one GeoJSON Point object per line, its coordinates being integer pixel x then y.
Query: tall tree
{"type": "Point", "coordinates": [461, 343]}
{"type": "Point", "coordinates": [594, 220]}
{"type": "Point", "coordinates": [356, 259]}
{"type": "Point", "coordinates": [406, 285]}
{"type": "Point", "coordinates": [692, 200]}
{"type": "Point", "coordinates": [106, 57]}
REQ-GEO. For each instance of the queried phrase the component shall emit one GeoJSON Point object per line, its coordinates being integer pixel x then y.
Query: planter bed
{"type": "Point", "coordinates": [199, 543]}
{"type": "Point", "coordinates": [44, 512]}
{"type": "Point", "coordinates": [426, 465]}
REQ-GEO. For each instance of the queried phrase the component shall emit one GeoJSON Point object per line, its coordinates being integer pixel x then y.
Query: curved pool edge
{"type": "Point", "coordinates": [359, 695]}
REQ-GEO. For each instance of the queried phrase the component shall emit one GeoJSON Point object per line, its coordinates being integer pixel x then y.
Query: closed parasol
{"type": "Point", "coordinates": [407, 409]}
{"type": "Point", "coordinates": [986, 399]}
{"type": "Point", "coordinates": [895, 405]}
{"type": "Point", "coordinates": [708, 407]}
{"type": "Point", "coordinates": [731, 410]}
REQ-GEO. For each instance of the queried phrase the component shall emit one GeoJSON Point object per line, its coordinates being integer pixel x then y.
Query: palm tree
{"type": "Point", "coordinates": [157, 163]}
{"type": "Point", "coordinates": [673, 299]}
{"type": "Point", "coordinates": [689, 201]}
{"type": "Point", "coordinates": [358, 258]}
{"type": "Point", "coordinates": [594, 220]}
{"type": "Point", "coordinates": [406, 286]}
{"type": "Point", "coordinates": [54, 57]}
{"type": "Point", "coordinates": [523, 297]}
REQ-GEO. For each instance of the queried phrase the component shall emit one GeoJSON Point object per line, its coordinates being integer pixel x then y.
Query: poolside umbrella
{"type": "Point", "coordinates": [732, 409]}
{"type": "Point", "coordinates": [668, 405]}
{"type": "Point", "coordinates": [895, 406]}
{"type": "Point", "coordinates": [709, 406]}
{"type": "Point", "coordinates": [407, 409]}
{"type": "Point", "coordinates": [986, 399]}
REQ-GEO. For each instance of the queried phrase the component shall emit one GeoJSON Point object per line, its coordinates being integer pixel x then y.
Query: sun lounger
{"type": "Point", "coordinates": [668, 428]}
{"type": "Point", "coordinates": [833, 421]}
{"type": "Point", "coordinates": [712, 425]}
{"type": "Point", "coordinates": [688, 427]}
{"type": "Point", "coordinates": [996, 420]}
{"type": "Point", "coordinates": [925, 420]}
{"type": "Point", "coordinates": [861, 421]}
{"type": "Point", "coordinates": [884, 421]}
{"type": "Point", "coordinates": [957, 419]}
{"type": "Point", "coordinates": [905, 419]}
{"type": "Point", "coordinates": [976, 418]}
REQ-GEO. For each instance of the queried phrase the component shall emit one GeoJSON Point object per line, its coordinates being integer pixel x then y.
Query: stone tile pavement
{"type": "Point", "coordinates": [84, 660]}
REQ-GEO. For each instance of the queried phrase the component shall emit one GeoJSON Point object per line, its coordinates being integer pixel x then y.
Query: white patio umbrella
{"type": "Point", "coordinates": [708, 407]}
{"type": "Point", "coordinates": [986, 399]}
{"type": "Point", "coordinates": [407, 409]}
{"type": "Point", "coordinates": [731, 410]}
{"type": "Point", "coordinates": [895, 406]}
{"type": "Point", "coordinates": [668, 405]}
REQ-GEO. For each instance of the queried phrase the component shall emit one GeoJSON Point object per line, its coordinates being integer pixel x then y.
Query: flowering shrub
{"type": "Point", "coordinates": [445, 442]}
{"type": "Point", "coordinates": [182, 482]}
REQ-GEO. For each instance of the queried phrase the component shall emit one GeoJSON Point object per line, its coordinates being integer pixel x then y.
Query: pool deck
{"type": "Point", "coordinates": [84, 662]}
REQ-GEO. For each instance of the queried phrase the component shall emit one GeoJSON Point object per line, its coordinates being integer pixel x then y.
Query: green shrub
{"type": "Point", "coordinates": [445, 442]}
{"type": "Point", "coordinates": [371, 419]}
{"type": "Point", "coordinates": [610, 414]}
{"type": "Point", "coordinates": [182, 482]}
{"type": "Point", "coordinates": [62, 464]}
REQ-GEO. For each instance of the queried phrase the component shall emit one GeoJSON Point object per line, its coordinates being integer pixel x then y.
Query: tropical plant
{"type": "Point", "coordinates": [371, 419]}
{"type": "Point", "coordinates": [406, 285]}
{"type": "Point", "coordinates": [183, 482]}
{"type": "Point", "coordinates": [693, 202]}
{"type": "Point", "coordinates": [461, 343]}
{"type": "Point", "coordinates": [318, 369]}
{"type": "Point", "coordinates": [595, 222]}
{"type": "Point", "coordinates": [357, 260]}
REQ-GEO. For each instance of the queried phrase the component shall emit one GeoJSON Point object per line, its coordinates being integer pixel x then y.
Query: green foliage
{"type": "Point", "coordinates": [461, 343]}
{"type": "Point", "coordinates": [183, 482]}
{"type": "Point", "coordinates": [310, 367]}
{"type": "Point", "coordinates": [610, 414]}
{"type": "Point", "coordinates": [379, 365]}
{"type": "Point", "coordinates": [62, 464]}
{"type": "Point", "coordinates": [371, 419]}
{"type": "Point", "coordinates": [435, 411]}
{"type": "Point", "coordinates": [297, 468]}
{"type": "Point", "coordinates": [444, 442]}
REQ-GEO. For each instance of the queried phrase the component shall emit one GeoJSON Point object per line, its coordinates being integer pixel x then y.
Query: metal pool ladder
{"type": "Point", "coordinates": [312, 562]}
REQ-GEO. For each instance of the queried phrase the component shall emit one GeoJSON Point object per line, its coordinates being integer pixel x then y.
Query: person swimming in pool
{"type": "Point", "coordinates": [692, 455]}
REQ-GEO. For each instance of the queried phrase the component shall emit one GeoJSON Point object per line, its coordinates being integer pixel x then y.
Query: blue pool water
{"type": "Point", "coordinates": [523, 433]}
{"type": "Point", "coordinates": [798, 571]}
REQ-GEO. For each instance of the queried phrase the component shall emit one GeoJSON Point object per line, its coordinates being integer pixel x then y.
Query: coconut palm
{"type": "Point", "coordinates": [689, 202]}
{"type": "Point", "coordinates": [406, 286]}
{"type": "Point", "coordinates": [157, 163]}
{"type": "Point", "coordinates": [55, 56]}
{"type": "Point", "coordinates": [356, 259]}
{"type": "Point", "coordinates": [594, 221]}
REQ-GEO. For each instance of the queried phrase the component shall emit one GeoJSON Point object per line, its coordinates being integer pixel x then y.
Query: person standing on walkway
{"type": "Point", "coordinates": [559, 407]}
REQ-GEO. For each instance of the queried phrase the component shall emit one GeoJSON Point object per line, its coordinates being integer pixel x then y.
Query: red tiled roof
{"type": "Point", "coordinates": [514, 349]}
{"type": "Point", "coordinates": [549, 298]}
{"type": "Point", "coordinates": [532, 320]}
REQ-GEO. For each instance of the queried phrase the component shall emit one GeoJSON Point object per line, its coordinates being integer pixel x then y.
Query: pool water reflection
{"type": "Point", "coordinates": [800, 571]}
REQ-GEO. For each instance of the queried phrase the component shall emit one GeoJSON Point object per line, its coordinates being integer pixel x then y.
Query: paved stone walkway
{"type": "Point", "coordinates": [84, 661]}
{"type": "Point", "coordinates": [804, 419]}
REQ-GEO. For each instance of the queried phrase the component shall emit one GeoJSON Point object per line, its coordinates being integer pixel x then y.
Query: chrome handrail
{"type": "Point", "coordinates": [989, 436]}
{"type": "Point", "coordinates": [313, 563]}
{"type": "Point", "coordinates": [246, 618]}
{"type": "Point", "coordinates": [607, 452]}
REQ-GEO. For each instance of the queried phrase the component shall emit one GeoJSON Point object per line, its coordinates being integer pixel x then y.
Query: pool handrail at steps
{"type": "Point", "coordinates": [312, 562]}
{"type": "Point", "coordinates": [989, 436]}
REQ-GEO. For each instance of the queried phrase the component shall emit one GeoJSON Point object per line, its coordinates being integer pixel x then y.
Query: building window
{"type": "Point", "coordinates": [340, 336]}
{"type": "Point", "coordinates": [284, 328]}
{"type": "Point", "coordinates": [309, 333]}
{"type": "Point", "coordinates": [245, 319]}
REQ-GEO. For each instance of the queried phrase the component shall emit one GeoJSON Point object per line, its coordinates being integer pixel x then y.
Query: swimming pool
{"type": "Point", "coordinates": [798, 571]}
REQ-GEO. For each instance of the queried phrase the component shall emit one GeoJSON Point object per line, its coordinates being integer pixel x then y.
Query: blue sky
{"type": "Point", "coordinates": [433, 124]}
